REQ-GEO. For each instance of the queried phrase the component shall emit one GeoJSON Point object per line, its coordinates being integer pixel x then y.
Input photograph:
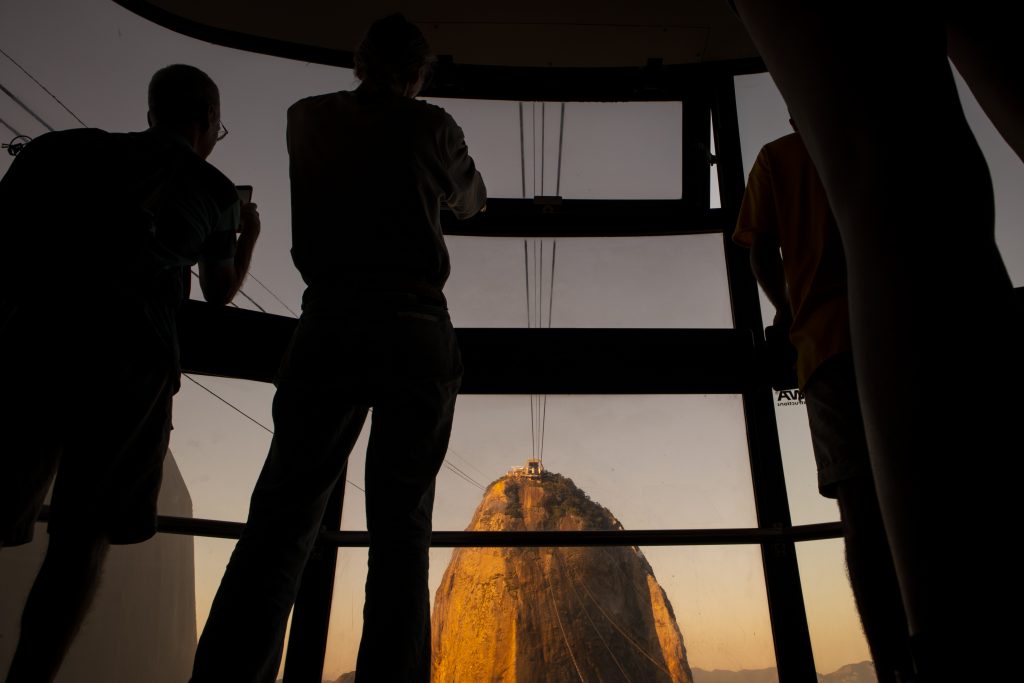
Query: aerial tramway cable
{"type": "Point", "coordinates": [562, 572]}
{"type": "Point", "coordinates": [619, 628]}
{"type": "Point", "coordinates": [17, 133]}
{"type": "Point", "coordinates": [535, 292]}
{"type": "Point", "coordinates": [561, 139]}
{"type": "Point", "coordinates": [45, 89]}
{"type": "Point", "coordinates": [565, 638]}
{"type": "Point", "coordinates": [270, 291]}
{"type": "Point", "coordinates": [247, 416]}
{"type": "Point", "coordinates": [25, 107]}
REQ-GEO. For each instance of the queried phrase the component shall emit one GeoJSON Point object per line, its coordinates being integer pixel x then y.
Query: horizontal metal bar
{"type": "Point", "coordinates": [537, 539]}
{"type": "Point", "coordinates": [583, 84]}
{"type": "Point", "coordinates": [230, 342]}
{"type": "Point", "coordinates": [215, 528]}
{"type": "Point", "coordinates": [555, 217]}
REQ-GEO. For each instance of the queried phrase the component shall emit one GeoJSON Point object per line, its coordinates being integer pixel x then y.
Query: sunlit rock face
{"type": "Point", "coordinates": [522, 615]}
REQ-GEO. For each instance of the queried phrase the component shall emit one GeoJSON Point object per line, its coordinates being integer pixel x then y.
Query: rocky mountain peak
{"type": "Point", "coordinates": [518, 615]}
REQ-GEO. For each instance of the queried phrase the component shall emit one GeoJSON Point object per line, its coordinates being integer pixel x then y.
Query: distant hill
{"type": "Point", "coordinates": [862, 672]}
{"type": "Point", "coordinates": [742, 676]}
{"type": "Point", "coordinates": [552, 615]}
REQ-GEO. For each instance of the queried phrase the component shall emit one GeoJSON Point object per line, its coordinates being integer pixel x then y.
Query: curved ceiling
{"type": "Point", "coordinates": [526, 33]}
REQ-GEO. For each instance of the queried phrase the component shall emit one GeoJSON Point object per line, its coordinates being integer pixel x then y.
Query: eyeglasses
{"type": "Point", "coordinates": [222, 131]}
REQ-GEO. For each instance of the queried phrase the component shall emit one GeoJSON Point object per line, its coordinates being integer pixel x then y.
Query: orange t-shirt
{"type": "Point", "coordinates": [785, 198]}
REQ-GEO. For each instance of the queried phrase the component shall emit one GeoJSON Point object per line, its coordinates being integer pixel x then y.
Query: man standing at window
{"type": "Point", "coordinates": [370, 170]}
{"type": "Point", "coordinates": [785, 207]}
{"type": "Point", "coordinates": [101, 229]}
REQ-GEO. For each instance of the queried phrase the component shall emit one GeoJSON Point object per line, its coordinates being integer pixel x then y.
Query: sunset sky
{"type": "Point", "coordinates": [654, 461]}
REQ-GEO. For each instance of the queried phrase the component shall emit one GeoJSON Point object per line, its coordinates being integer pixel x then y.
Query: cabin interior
{"type": "Point", "coordinates": [615, 139]}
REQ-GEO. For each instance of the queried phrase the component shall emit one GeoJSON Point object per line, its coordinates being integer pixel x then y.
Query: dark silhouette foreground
{"type": "Point", "coordinates": [103, 229]}
{"type": "Point", "coordinates": [931, 305]}
{"type": "Point", "coordinates": [369, 170]}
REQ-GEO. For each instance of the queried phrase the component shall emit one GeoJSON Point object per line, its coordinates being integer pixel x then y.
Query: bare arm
{"type": "Point", "coordinates": [220, 282]}
{"type": "Point", "coordinates": [470, 194]}
{"type": "Point", "coordinates": [766, 262]}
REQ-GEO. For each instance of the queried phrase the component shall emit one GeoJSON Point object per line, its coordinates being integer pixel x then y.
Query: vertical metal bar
{"type": "Point", "coordinates": [522, 148]}
{"type": "Point", "coordinates": [533, 132]}
{"type": "Point", "coordinates": [561, 140]}
{"type": "Point", "coordinates": [696, 143]}
{"type": "Point", "coordinates": [793, 654]}
{"type": "Point", "coordinates": [543, 143]}
{"type": "Point", "coordinates": [311, 618]}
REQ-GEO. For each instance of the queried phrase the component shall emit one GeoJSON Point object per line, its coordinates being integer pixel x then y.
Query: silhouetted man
{"type": "Point", "coordinates": [369, 172]}
{"type": "Point", "coordinates": [785, 207]}
{"type": "Point", "coordinates": [101, 229]}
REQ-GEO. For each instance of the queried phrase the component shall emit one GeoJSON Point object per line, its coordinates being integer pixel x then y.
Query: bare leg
{"type": "Point", "coordinates": [873, 579]}
{"type": "Point", "coordinates": [930, 302]}
{"type": "Point", "coordinates": [59, 600]}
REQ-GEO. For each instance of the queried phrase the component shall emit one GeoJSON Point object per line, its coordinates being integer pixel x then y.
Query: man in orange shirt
{"type": "Point", "coordinates": [785, 207]}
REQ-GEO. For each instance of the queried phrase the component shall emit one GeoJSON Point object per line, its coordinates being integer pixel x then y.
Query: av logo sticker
{"type": "Point", "coordinates": [790, 397]}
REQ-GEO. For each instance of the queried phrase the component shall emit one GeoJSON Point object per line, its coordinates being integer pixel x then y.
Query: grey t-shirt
{"type": "Point", "coordinates": [369, 173]}
{"type": "Point", "coordinates": [108, 224]}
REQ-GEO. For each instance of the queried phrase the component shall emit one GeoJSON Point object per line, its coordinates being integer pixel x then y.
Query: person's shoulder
{"type": "Point", "coordinates": [218, 185]}
{"type": "Point", "coordinates": [432, 112]}
{"type": "Point", "coordinates": [312, 102]}
{"type": "Point", "coordinates": [70, 140]}
{"type": "Point", "coordinates": [206, 180]}
{"type": "Point", "coordinates": [788, 146]}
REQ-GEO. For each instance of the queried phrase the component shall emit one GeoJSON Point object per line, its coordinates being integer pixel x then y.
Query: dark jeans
{"type": "Point", "coordinates": [404, 362]}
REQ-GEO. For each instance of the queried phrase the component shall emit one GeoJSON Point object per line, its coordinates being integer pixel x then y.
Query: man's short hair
{"type": "Point", "coordinates": [393, 51]}
{"type": "Point", "coordinates": [180, 95]}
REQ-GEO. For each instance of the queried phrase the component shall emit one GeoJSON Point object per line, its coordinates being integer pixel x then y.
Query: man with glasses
{"type": "Point", "coordinates": [370, 170]}
{"type": "Point", "coordinates": [102, 230]}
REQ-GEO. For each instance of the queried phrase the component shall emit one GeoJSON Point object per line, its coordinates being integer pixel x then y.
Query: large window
{"type": "Point", "coordinates": [617, 607]}
{"type": "Point", "coordinates": [653, 461]}
{"type": "Point", "coordinates": [631, 282]}
{"type": "Point", "coordinates": [577, 150]}
{"type": "Point", "coordinates": [656, 462]}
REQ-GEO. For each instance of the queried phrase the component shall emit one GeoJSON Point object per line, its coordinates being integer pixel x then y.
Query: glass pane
{"type": "Point", "coordinates": [655, 461]}
{"type": "Point", "coordinates": [806, 505]}
{"type": "Point", "coordinates": [221, 451]}
{"type": "Point", "coordinates": [651, 282]}
{"type": "Point", "coordinates": [762, 113]}
{"type": "Point", "coordinates": [132, 632]}
{"type": "Point", "coordinates": [1007, 179]}
{"type": "Point", "coordinates": [578, 150]}
{"type": "Point", "coordinates": [836, 635]}
{"type": "Point", "coordinates": [212, 555]}
{"type": "Point", "coordinates": [644, 611]}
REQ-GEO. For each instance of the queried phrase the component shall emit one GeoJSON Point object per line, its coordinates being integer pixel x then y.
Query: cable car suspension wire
{"type": "Point", "coordinates": [45, 89]}
{"type": "Point", "coordinates": [25, 107]}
